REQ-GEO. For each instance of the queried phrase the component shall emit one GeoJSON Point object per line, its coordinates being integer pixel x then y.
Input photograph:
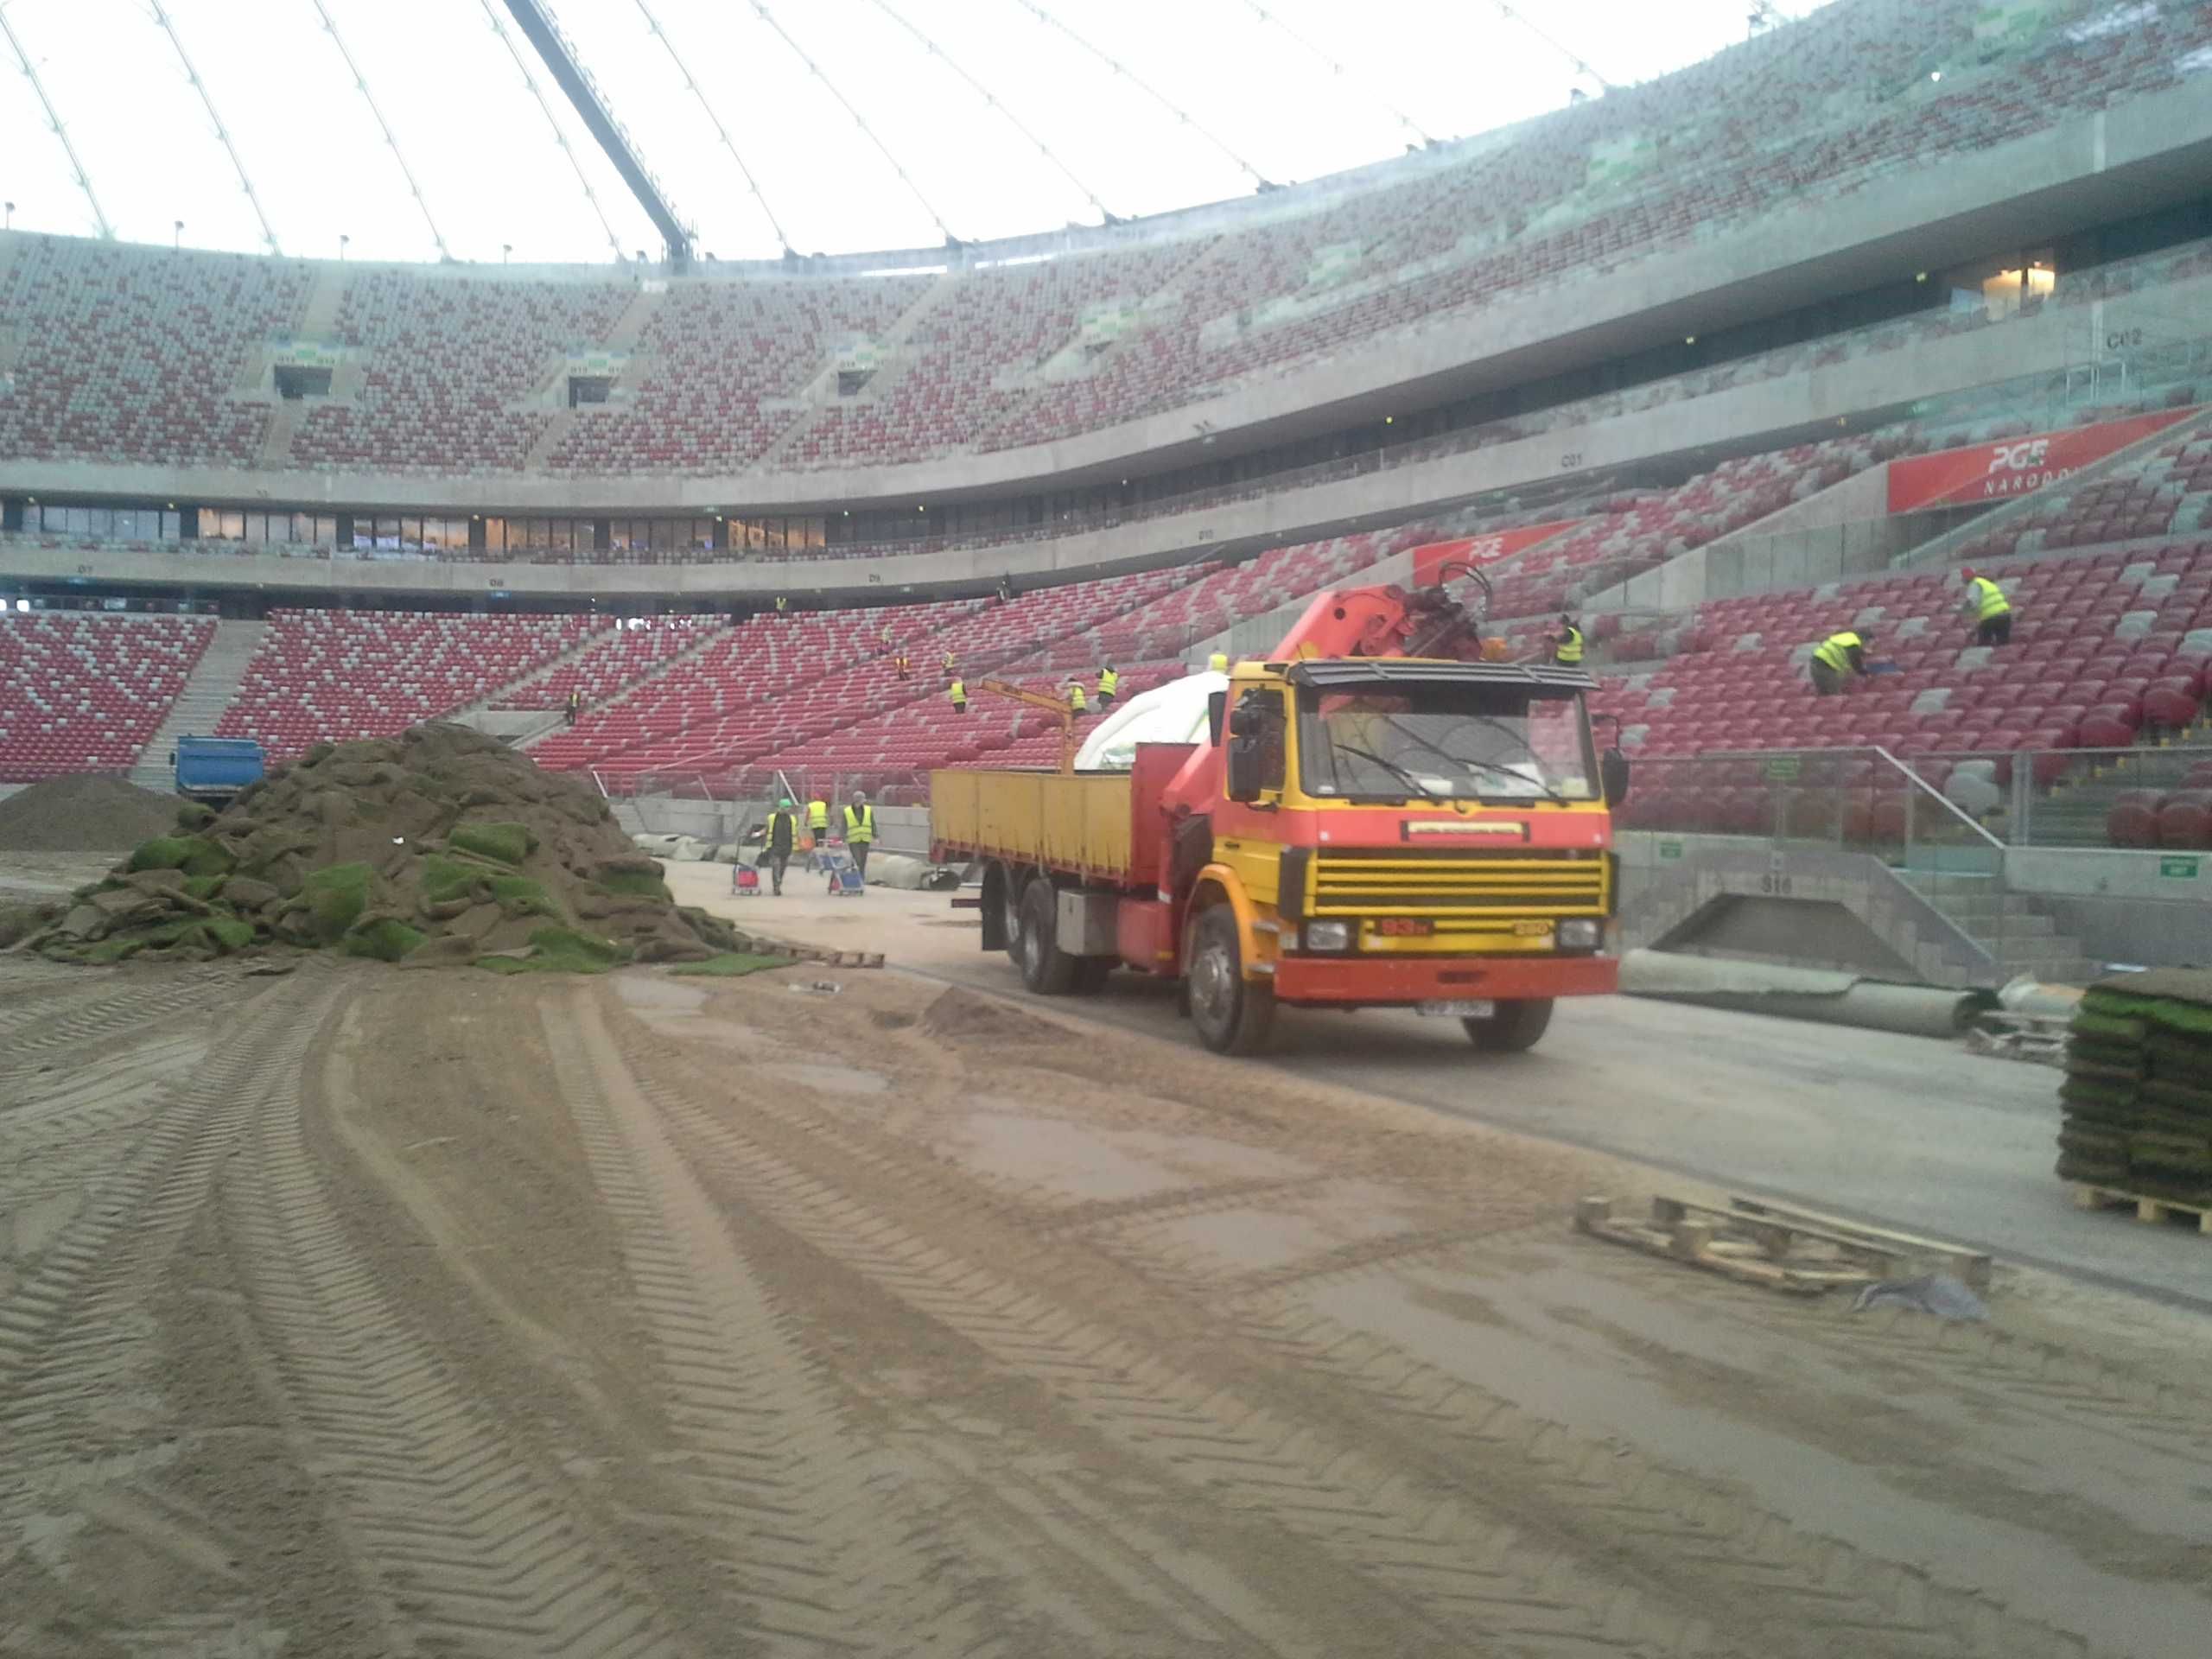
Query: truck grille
{"type": "Point", "coordinates": [1382, 883]}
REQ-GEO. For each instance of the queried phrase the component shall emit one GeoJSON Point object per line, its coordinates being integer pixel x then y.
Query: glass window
{"type": "Point", "coordinates": [172, 526]}
{"type": "Point", "coordinates": [101, 522]}
{"type": "Point", "coordinates": [1442, 742]}
{"type": "Point", "coordinates": [495, 535]}
{"type": "Point", "coordinates": [229, 527]}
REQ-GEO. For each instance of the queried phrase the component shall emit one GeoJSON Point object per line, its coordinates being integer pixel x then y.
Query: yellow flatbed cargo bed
{"type": "Point", "coordinates": [1079, 823]}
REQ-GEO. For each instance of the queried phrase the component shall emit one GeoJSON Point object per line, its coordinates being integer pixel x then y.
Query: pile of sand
{"type": "Point", "coordinates": [87, 812]}
{"type": "Point", "coordinates": [961, 1016]}
{"type": "Point", "coordinates": [440, 845]}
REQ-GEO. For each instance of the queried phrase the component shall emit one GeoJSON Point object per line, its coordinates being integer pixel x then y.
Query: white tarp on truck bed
{"type": "Point", "coordinates": [1173, 713]}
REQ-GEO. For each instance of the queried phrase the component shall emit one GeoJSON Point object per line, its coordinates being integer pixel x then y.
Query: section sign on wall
{"type": "Point", "coordinates": [1482, 549]}
{"type": "Point", "coordinates": [1995, 472]}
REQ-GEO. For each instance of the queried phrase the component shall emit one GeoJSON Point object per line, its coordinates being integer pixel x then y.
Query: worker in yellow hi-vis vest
{"type": "Point", "coordinates": [1993, 612]}
{"type": "Point", "coordinates": [1837, 660]}
{"type": "Point", "coordinates": [1109, 684]}
{"type": "Point", "coordinates": [860, 831]}
{"type": "Point", "coordinates": [1567, 644]}
{"type": "Point", "coordinates": [955, 690]}
{"type": "Point", "coordinates": [1076, 699]}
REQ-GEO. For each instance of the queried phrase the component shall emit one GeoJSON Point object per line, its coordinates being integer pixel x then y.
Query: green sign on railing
{"type": "Point", "coordinates": [2180, 869]}
{"type": "Point", "coordinates": [1781, 769]}
{"type": "Point", "coordinates": [1670, 849]}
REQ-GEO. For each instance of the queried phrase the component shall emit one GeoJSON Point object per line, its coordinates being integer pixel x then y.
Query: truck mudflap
{"type": "Point", "coordinates": [1379, 981]}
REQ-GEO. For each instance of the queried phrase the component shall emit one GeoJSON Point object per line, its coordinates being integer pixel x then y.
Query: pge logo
{"type": "Point", "coordinates": [2019, 457]}
{"type": "Point", "coordinates": [1483, 548]}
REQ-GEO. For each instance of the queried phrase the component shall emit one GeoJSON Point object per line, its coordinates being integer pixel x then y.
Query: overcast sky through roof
{"type": "Point", "coordinates": [959, 96]}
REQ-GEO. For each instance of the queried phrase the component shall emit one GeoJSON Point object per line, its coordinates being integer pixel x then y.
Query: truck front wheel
{"type": "Point", "coordinates": [1046, 969]}
{"type": "Point", "coordinates": [1233, 1016]}
{"type": "Point", "coordinates": [1514, 1028]}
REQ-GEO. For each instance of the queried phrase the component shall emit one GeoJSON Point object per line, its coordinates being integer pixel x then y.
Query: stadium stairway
{"type": "Point", "coordinates": [208, 690]}
{"type": "Point", "coordinates": [708, 638]}
{"type": "Point", "coordinates": [2020, 934]}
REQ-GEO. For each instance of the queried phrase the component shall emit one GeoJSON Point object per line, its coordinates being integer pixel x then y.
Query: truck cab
{"type": "Point", "coordinates": [1405, 832]}
{"type": "Point", "coordinates": [214, 770]}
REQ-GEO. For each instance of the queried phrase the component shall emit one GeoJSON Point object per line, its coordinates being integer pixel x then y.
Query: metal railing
{"type": "Point", "coordinates": [1859, 800]}
{"type": "Point", "coordinates": [2082, 797]}
{"type": "Point", "coordinates": [1856, 799]}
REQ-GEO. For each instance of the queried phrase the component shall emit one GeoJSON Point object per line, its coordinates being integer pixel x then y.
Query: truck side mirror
{"type": "Point", "coordinates": [1612, 776]}
{"type": "Point", "coordinates": [1243, 779]}
{"type": "Point", "coordinates": [1217, 708]}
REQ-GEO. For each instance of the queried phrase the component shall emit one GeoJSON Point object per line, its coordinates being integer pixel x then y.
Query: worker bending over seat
{"type": "Point", "coordinates": [1993, 612]}
{"type": "Point", "coordinates": [1837, 660]}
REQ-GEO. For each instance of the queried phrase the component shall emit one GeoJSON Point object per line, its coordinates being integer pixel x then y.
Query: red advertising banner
{"type": "Point", "coordinates": [1481, 550]}
{"type": "Point", "coordinates": [1993, 472]}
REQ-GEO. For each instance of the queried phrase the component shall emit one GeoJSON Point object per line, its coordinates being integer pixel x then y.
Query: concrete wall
{"type": "Point", "coordinates": [1720, 893]}
{"type": "Point", "coordinates": [2148, 151]}
{"type": "Point", "coordinates": [2124, 906]}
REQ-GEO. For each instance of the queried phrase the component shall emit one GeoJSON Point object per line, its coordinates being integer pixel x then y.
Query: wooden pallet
{"type": "Point", "coordinates": [2146, 1209]}
{"type": "Point", "coordinates": [757, 945]}
{"type": "Point", "coordinates": [1800, 1251]}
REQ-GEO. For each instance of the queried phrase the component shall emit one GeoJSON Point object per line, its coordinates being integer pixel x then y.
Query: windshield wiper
{"type": "Point", "coordinates": [1469, 761]}
{"type": "Point", "coordinates": [1413, 784]}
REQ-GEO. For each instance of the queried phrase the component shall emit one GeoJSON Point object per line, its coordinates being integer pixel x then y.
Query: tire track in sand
{"type": "Point", "coordinates": [825, 1557]}
{"type": "Point", "coordinates": [36, 1037]}
{"type": "Point", "coordinates": [1454, 1574]}
{"type": "Point", "coordinates": [1587, 1494]}
{"type": "Point", "coordinates": [92, 1277]}
{"type": "Point", "coordinates": [471, 1550]}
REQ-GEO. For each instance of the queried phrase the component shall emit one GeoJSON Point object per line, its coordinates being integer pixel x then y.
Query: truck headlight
{"type": "Point", "coordinates": [1583, 933]}
{"type": "Point", "coordinates": [1328, 935]}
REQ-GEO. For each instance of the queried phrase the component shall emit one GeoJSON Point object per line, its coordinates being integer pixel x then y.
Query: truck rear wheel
{"type": "Point", "coordinates": [1046, 969]}
{"type": "Point", "coordinates": [1514, 1028]}
{"type": "Point", "coordinates": [1233, 1016]}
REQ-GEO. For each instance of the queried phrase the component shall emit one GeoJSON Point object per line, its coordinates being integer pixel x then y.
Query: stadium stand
{"type": "Point", "coordinates": [443, 361]}
{"type": "Point", "coordinates": [84, 693]}
{"type": "Point", "coordinates": [612, 662]}
{"type": "Point", "coordinates": [130, 353]}
{"type": "Point", "coordinates": [2110, 650]}
{"type": "Point", "coordinates": [713, 360]}
{"type": "Point", "coordinates": [996, 320]}
{"type": "Point", "coordinates": [333, 675]}
{"type": "Point", "coordinates": [137, 354]}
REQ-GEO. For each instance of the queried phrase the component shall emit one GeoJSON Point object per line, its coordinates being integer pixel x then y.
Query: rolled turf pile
{"type": "Point", "coordinates": [2137, 1092]}
{"type": "Point", "coordinates": [440, 845]}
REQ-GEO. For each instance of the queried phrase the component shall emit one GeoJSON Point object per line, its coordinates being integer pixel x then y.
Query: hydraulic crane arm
{"type": "Point", "coordinates": [1057, 706]}
{"type": "Point", "coordinates": [1389, 622]}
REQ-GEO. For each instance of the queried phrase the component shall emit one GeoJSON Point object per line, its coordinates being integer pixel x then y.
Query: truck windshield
{"type": "Point", "coordinates": [1446, 742]}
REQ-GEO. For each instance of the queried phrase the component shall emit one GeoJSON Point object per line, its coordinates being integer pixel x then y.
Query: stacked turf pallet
{"type": "Point", "coordinates": [2139, 1088]}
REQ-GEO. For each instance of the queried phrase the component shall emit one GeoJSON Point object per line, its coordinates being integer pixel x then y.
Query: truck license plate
{"type": "Point", "coordinates": [1460, 1010]}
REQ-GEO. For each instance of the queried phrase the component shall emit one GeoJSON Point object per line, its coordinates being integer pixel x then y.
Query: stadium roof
{"type": "Point", "coordinates": [429, 129]}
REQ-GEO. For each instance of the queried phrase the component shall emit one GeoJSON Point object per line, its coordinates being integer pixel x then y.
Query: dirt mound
{"type": "Point", "coordinates": [89, 811]}
{"type": "Point", "coordinates": [961, 1016]}
{"type": "Point", "coordinates": [440, 845]}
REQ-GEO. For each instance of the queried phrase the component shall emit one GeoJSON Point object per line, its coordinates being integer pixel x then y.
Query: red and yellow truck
{"type": "Point", "coordinates": [1379, 818]}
